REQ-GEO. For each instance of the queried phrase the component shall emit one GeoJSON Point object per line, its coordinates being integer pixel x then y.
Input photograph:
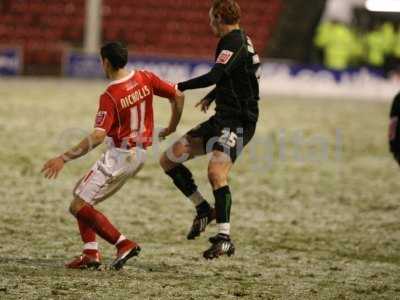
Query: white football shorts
{"type": "Point", "coordinates": [109, 174]}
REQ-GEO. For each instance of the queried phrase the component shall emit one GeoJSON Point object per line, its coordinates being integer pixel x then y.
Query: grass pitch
{"type": "Point", "coordinates": [315, 205]}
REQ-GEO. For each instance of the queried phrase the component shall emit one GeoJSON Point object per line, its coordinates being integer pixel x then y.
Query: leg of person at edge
{"type": "Point", "coordinates": [235, 74]}
{"type": "Point", "coordinates": [125, 120]}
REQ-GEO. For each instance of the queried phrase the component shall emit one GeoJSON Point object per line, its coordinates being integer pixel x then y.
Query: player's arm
{"type": "Point", "coordinates": [206, 80]}
{"type": "Point", "coordinates": [52, 167]}
{"type": "Point", "coordinates": [177, 104]}
{"type": "Point", "coordinates": [103, 123]}
{"type": "Point", "coordinates": [176, 98]}
{"type": "Point", "coordinates": [226, 60]}
{"type": "Point", "coordinates": [86, 145]}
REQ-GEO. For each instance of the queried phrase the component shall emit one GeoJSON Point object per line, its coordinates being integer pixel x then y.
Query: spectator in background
{"type": "Point", "coordinates": [389, 36]}
{"type": "Point", "coordinates": [342, 47]}
{"type": "Point", "coordinates": [339, 44]}
{"type": "Point", "coordinates": [376, 48]}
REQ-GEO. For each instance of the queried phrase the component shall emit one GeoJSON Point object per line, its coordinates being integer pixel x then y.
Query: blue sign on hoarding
{"type": "Point", "coordinates": [77, 64]}
{"type": "Point", "coordinates": [10, 61]}
{"type": "Point", "coordinates": [89, 66]}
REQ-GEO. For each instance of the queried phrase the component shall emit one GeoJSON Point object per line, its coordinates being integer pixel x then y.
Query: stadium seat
{"type": "Point", "coordinates": [41, 26]}
{"type": "Point", "coordinates": [184, 30]}
{"type": "Point", "coordinates": [168, 27]}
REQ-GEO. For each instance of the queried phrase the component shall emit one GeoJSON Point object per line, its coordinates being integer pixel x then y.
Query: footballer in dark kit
{"type": "Point", "coordinates": [235, 75]}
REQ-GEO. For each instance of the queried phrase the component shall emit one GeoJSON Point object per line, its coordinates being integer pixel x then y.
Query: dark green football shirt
{"type": "Point", "coordinates": [236, 75]}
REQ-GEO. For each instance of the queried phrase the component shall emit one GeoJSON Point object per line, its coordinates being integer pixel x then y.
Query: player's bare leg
{"type": "Point", "coordinates": [172, 162]}
{"type": "Point", "coordinates": [181, 151]}
{"type": "Point", "coordinates": [92, 222]}
{"type": "Point", "coordinates": [218, 169]}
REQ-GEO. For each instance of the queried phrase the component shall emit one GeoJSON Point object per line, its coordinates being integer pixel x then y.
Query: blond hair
{"type": "Point", "coordinates": [227, 10]}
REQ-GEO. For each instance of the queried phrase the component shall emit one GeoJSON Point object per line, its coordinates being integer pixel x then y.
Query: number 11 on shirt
{"type": "Point", "coordinates": [137, 117]}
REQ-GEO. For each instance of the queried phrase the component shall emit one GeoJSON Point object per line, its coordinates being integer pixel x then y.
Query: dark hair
{"type": "Point", "coordinates": [116, 53]}
{"type": "Point", "coordinates": [228, 10]}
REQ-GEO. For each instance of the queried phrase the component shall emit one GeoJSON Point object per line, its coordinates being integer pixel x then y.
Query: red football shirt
{"type": "Point", "coordinates": [126, 108]}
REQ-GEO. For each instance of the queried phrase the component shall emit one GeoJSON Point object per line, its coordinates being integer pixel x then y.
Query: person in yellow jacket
{"type": "Point", "coordinates": [339, 44]}
{"type": "Point", "coordinates": [379, 44]}
{"type": "Point", "coordinates": [389, 37]}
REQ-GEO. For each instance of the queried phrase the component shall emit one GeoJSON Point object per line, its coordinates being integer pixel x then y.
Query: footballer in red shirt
{"type": "Point", "coordinates": [125, 122]}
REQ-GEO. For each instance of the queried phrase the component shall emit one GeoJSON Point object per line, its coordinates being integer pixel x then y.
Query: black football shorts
{"type": "Point", "coordinates": [227, 137]}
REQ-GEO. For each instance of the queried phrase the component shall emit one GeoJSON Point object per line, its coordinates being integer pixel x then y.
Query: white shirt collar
{"type": "Point", "coordinates": [122, 79]}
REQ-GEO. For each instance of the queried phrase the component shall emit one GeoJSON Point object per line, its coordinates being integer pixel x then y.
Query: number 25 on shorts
{"type": "Point", "coordinates": [228, 138]}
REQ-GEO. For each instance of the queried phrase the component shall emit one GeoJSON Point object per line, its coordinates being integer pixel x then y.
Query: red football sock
{"type": "Point", "coordinates": [88, 235]}
{"type": "Point", "coordinates": [99, 223]}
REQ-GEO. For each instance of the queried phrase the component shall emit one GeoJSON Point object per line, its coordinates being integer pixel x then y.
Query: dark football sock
{"type": "Point", "coordinates": [223, 202]}
{"type": "Point", "coordinates": [183, 179]}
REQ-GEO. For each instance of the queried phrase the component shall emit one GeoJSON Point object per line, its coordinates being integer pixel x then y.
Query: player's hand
{"type": "Point", "coordinates": [165, 132]}
{"type": "Point", "coordinates": [53, 167]}
{"type": "Point", "coordinates": [204, 104]}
